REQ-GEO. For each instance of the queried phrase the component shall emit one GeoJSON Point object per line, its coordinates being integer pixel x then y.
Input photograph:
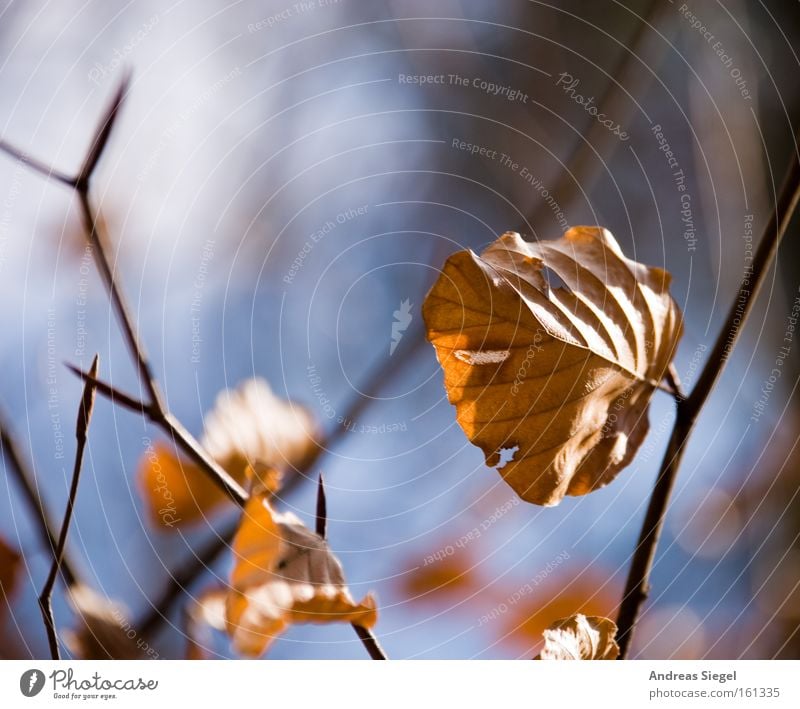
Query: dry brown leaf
{"type": "Point", "coordinates": [580, 638]}
{"type": "Point", "coordinates": [104, 631]}
{"type": "Point", "coordinates": [284, 573]}
{"type": "Point", "coordinates": [250, 432]}
{"type": "Point", "coordinates": [560, 376]}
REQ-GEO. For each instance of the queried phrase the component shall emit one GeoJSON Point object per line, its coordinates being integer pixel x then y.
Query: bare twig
{"type": "Point", "coordinates": [154, 409]}
{"type": "Point", "coordinates": [26, 480]}
{"type": "Point", "coordinates": [370, 642]}
{"type": "Point", "coordinates": [175, 430]}
{"type": "Point", "coordinates": [81, 429]}
{"type": "Point", "coordinates": [36, 165]}
{"type": "Point", "coordinates": [102, 134]}
{"type": "Point", "coordinates": [688, 409]}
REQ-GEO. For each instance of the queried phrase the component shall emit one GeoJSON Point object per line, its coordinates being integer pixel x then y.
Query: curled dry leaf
{"type": "Point", "coordinates": [250, 432]}
{"type": "Point", "coordinates": [580, 638]}
{"type": "Point", "coordinates": [284, 573]}
{"type": "Point", "coordinates": [559, 376]}
{"type": "Point", "coordinates": [104, 631]}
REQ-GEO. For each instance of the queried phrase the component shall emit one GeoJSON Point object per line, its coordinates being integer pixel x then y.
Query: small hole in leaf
{"type": "Point", "coordinates": [506, 456]}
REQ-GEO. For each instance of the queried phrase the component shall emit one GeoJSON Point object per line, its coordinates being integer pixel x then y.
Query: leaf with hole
{"type": "Point", "coordinates": [551, 351]}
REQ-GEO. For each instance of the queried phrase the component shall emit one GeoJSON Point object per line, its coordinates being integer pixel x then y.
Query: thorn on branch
{"type": "Point", "coordinates": [322, 509]}
{"type": "Point", "coordinates": [102, 134]}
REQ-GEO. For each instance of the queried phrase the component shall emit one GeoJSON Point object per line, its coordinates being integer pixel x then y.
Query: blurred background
{"type": "Point", "coordinates": [279, 183]}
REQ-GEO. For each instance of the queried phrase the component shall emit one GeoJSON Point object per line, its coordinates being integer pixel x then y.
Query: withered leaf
{"type": "Point", "coordinates": [559, 376]}
{"type": "Point", "coordinates": [580, 638]}
{"type": "Point", "coordinates": [284, 573]}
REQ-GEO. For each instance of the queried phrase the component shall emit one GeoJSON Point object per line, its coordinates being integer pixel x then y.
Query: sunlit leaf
{"type": "Point", "coordinates": [284, 573]}
{"type": "Point", "coordinates": [551, 351]}
{"type": "Point", "coordinates": [580, 638]}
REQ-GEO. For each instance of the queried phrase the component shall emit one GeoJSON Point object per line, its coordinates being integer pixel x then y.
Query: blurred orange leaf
{"type": "Point", "coordinates": [9, 571]}
{"type": "Point", "coordinates": [250, 432]}
{"type": "Point", "coordinates": [284, 573]}
{"type": "Point", "coordinates": [446, 577]}
{"type": "Point", "coordinates": [559, 595]}
{"type": "Point", "coordinates": [561, 376]}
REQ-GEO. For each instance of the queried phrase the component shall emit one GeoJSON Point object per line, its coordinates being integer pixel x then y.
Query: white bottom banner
{"type": "Point", "coordinates": [464, 685]}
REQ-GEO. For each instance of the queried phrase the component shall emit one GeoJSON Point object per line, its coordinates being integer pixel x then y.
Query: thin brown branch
{"type": "Point", "coordinates": [36, 165]}
{"type": "Point", "coordinates": [81, 430]}
{"type": "Point", "coordinates": [102, 134]}
{"type": "Point", "coordinates": [154, 408]}
{"type": "Point", "coordinates": [689, 409]}
{"type": "Point", "coordinates": [24, 476]}
{"type": "Point", "coordinates": [175, 430]}
{"type": "Point", "coordinates": [370, 642]}
{"type": "Point", "coordinates": [136, 348]}
{"type": "Point", "coordinates": [115, 395]}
